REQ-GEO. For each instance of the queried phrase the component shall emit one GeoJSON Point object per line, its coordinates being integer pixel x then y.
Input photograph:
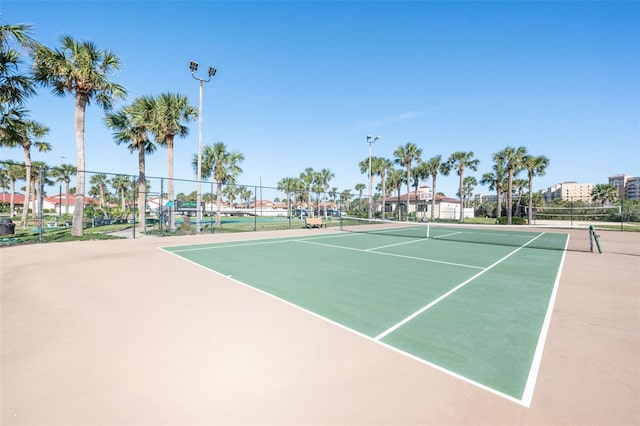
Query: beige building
{"type": "Point", "coordinates": [569, 191]}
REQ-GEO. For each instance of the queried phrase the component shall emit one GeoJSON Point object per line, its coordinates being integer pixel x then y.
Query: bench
{"type": "Point", "coordinates": [314, 222]}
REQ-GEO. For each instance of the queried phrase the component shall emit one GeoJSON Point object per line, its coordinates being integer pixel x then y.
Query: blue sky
{"type": "Point", "coordinates": [301, 84]}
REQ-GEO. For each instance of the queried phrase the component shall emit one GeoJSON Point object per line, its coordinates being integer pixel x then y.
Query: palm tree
{"type": "Point", "coordinates": [100, 182]}
{"type": "Point", "coordinates": [38, 180]}
{"type": "Point", "coordinates": [317, 189]}
{"type": "Point", "coordinates": [432, 167]}
{"type": "Point", "coordinates": [222, 166]}
{"type": "Point", "coordinates": [165, 117]}
{"type": "Point", "coordinates": [418, 174]}
{"type": "Point", "coordinates": [535, 166]}
{"type": "Point", "coordinates": [519, 185]}
{"type": "Point", "coordinates": [468, 186]}
{"type": "Point", "coordinates": [495, 180]}
{"type": "Point", "coordinates": [130, 126]}
{"type": "Point", "coordinates": [15, 86]}
{"type": "Point", "coordinates": [288, 185]}
{"type": "Point", "coordinates": [345, 196]}
{"type": "Point", "coordinates": [395, 179]}
{"type": "Point", "coordinates": [18, 32]}
{"type": "Point", "coordinates": [511, 160]}
{"type": "Point", "coordinates": [14, 172]}
{"type": "Point", "coordinates": [461, 161]}
{"type": "Point", "coordinates": [380, 167]}
{"type": "Point", "coordinates": [307, 178]}
{"type": "Point", "coordinates": [64, 173]}
{"type": "Point", "coordinates": [28, 134]}
{"type": "Point", "coordinates": [360, 187]}
{"type": "Point", "coordinates": [333, 193]}
{"type": "Point", "coordinates": [121, 184]}
{"type": "Point", "coordinates": [4, 178]}
{"type": "Point", "coordinates": [324, 176]}
{"type": "Point", "coordinates": [604, 193]}
{"type": "Point", "coordinates": [81, 70]}
{"type": "Point", "coordinates": [404, 156]}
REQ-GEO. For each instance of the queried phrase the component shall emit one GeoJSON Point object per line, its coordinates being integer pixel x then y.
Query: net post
{"type": "Point", "coordinates": [593, 236]}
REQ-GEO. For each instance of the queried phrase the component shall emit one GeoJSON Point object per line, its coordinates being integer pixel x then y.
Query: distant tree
{"type": "Point", "coordinates": [510, 159]}
{"type": "Point", "coordinates": [308, 177]}
{"type": "Point", "coordinates": [460, 161]}
{"type": "Point", "coordinates": [405, 156]}
{"type": "Point", "coordinates": [345, 198]}
{"type": "Point", "coordinates": [63, 173]}
{"type": "Point", "coordinates": [121, 184]}
{"type": "Point", "coordinates": [434, 166]}
{"type": "Point", "coordinates": [14, 172]}
{"type": "Point", "coordinates": [468, 185]}
{"type": "Point", "coordinates": [333, 193]}
{"type": "Point", "coordinates": [535, 166]}
{"type": "Point", "coordinates": [324, 176]}
{"type": "Point", "coordinates": [395, 179]}
{"type": "Point", "coordinates": [604, 193]}
{"type": "Point", "coordinates": [27, 134]}
{"type": "Point", "coordinates": [519, 185]}
{"type": "Point", "coordinates": [222, 166]}
{"type": "Point", "coordinates": [496, 181]}
{"type": "Point", "coordinates": [100, 182]}
{"type": "Point", "coordinates": [381, 166]}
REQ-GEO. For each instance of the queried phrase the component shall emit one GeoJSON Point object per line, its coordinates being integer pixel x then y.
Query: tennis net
{"type": "Point", "coordinates": [515, 236]}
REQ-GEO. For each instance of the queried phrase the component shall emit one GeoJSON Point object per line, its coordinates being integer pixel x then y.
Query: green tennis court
{"type": "Point", "coordinates": [478, 311]}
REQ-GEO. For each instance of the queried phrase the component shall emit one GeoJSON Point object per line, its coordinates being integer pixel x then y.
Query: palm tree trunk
{"type": "Point", "coordinates": [66, 197]}
{"type": "Point", "coordinates": [461, 198]}
{"type": "Point", "coordinates": [433, 196]}
{"type": "Point", "coordinates": [498, 201]}
{"type": "Point", "coordinates": [27, 190]}
{"type": "Point", "coordinates": [170, 191]}
{"type": "Point", "coordinates": [77, 227]}
{"type": "Point", "coordinates": [510, 197]}
{"type": "Point", "coordinates": [142, 188]}
{"type": "Point", "coordinates": [218, 202]}
{"type": "Point", "coordinates": [530, 210]}
{"type": "Point", "coordinates": [384, 196]}
{"type": "Point", "coordinates": [408, 188]}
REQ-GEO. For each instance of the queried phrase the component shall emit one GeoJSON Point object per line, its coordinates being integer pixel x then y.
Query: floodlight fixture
{"type": "Point", "coordinates": [193, 66]}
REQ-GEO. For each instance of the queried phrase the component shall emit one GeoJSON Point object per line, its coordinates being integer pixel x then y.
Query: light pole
{"type": "Point", "coordinates": [193, 66]}
{"type": "Point", "coordinates": [370, 141]}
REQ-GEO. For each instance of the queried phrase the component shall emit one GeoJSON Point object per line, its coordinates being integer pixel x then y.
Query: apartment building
{"type": "Point", "coordinates": [569, 191]}
{"type": "Point", "coordinates": [628, 187]}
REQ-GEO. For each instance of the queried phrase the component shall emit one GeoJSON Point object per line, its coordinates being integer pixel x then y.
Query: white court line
{"type": "Point", "coordinates": [453, 290]}
{"type": "Point", "coordinates": [392, 254]}
{"type": "Point", "coordinates": [212, 246]}
{"type": "Point", "coordinates": [527, 395]}
{"type": "Point", "coordinates": [393, 245]}
{"type": "Point", "coordinates": [446, 235]}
